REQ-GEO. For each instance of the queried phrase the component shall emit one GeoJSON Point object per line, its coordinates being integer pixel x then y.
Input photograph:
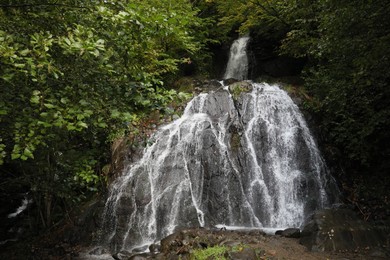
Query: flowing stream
{"type": "Point", "coordinates": [239, 156]}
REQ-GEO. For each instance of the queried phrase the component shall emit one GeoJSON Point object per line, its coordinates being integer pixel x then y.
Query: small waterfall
{"type": "Point", "coordinates": [244, 159]}
{"type": "Point", "coordinates": [237, 66]}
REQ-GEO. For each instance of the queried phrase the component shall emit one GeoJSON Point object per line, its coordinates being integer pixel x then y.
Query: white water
{"type": "Point", "coordinates": [21, 208]}
{"type": "Point", "coordinates": [249, 162]}
{"type": "Point", "coordinates": [237, 66]}
{"type": "Point", "coordinates": [190, 175]}
{"type": "Point", "coordinates": [268, 231]}
{"type": "Point", "coordinates": [278, 168]}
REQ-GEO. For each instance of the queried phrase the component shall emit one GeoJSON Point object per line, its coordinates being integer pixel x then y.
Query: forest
{"type": "Point", "coordinates": [77, 75]}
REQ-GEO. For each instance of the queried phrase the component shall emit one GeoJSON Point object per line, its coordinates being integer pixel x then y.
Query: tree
{"type": "Point", "coordinates": [346, 43]}
{"type": "Point", "coordinates": [73, 76]}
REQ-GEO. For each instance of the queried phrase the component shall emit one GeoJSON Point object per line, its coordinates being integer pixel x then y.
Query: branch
{"type": "Point", "coordinates": [39, 5]}
{"type": "Point", "coordinates": [270, 11]}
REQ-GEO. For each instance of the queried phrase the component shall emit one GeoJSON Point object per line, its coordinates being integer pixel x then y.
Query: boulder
{"type": "Point", "coordinates": [245, 254]}
{"type": "Point", "coordinates": [140, 256]}
{"type": "Point", "coordinates": [122, 255]}
{"type": "Point", "coordinates": [230, 81]}
{"type": "Point", "coordinates": [289, 232]}
{"type": "Point", "coordinates": [154, 248]}
{"type": "Point", "coordinates": [341, 229]}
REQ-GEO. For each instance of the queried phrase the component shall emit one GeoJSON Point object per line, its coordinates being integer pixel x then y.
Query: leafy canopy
{"type": "Point", "coordinates": [74, 74]}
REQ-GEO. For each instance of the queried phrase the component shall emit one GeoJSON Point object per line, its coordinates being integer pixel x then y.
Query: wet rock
{"type": "Point", "coordinates": [98, 251]}
{"type": "Point", "coordinates": [160, 256]}
{"type": "Point", "coordinates": [246, 86]}
{"type": "Point", "coordinates": [140, 256]}
{"type": "Point", "coordinates": [245, 254]}
{"type": "Point", "coordinates": [58, 251]}
{"type": "Point", "coordinates": [230, 243]}
{"type": "Point", "coordinates": [213, 84]}
{"type": "Point", "coordinates": [291, 232]}
{"type": "Point", "coordinates": [140, 249]}
{"type": "Point", "coordinates": [229, 81]}
{"type": "Point", "coordinates": [171, 242]}
{"type": "Point", "coordinates": [341, 229]}
{"type": "Point", "coordinates": [122, 255]}
{"type": "Point", "coordinates": [297, 100]}
{"type": "Point", "coordinates": [154, 248]}
{"type": "Point", "coordinates": [380, 253]}
{"type": "Point", "coordinates": [206, 86]}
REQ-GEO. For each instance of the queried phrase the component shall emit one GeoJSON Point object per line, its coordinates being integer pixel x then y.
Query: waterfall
{"type": "Point", "coordinates": [237, 66]}
{"type": "Point", "coordinates": [239, 157]}
{"type": "Point", "coordinates": [247, 162]}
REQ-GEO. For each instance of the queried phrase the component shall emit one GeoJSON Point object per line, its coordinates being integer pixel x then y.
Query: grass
{"type": "Point", "coordinates": [215, 252]}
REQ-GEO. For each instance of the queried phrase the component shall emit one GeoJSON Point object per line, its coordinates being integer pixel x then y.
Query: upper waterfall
{"type": "Point", "coordinates": [237, 66]}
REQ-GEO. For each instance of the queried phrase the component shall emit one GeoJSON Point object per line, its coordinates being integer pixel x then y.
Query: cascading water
{"type": "Point", "coordinates": [242, 159]}
{"type": "Point", "coordinates": [237, 66]}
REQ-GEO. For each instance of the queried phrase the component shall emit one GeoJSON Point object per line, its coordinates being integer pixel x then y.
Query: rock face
{"type": "Point", "coordinates": [341, 229]}
{"type": "Point", "coordinates": [289, 232]}
{"type": "Point", "coordinates": [243, 157]}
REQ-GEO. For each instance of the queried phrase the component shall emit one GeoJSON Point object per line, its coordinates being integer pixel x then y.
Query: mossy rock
{"type": "Point", "coordinates": [240, 87]}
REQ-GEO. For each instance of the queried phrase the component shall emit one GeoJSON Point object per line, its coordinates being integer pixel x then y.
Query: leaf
{"type": "Point", "coordinates": [67, 41]}
{"type": "Point", "coordinates": [82, 124]}
{"type": "Point", "coordinates": [34, 99]}
{"type": "Point", "coordinates": [15, 156]}
{"type": "Point", "coordinates": [27, 153]}
{"type": "Point", "coordinates": [48, 105]}
{"type": "Point", "coordinates": [20, 65]}
{"type": "Point", "coordinates": [115, 113]}
{"type": "Point", "coordinates": [70, 127]}
{"type": "Point", "coordinates": [102, 125]}
{"type": "Point", "coordinates": [7, 77]}
{"type": "Point", "coordinates": [25, 52]}
{"type": "Point", "coordinates": [83, 102]}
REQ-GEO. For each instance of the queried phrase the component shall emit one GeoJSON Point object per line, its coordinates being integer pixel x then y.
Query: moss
{"type": "Point", "coordinates": [186, 84]}
{"type": "Point", "coordinates": [235, 141]}
{"type": "Point", "coordinates": [215, 252]}
{"type": "Point", "coordinates": [240, 87]}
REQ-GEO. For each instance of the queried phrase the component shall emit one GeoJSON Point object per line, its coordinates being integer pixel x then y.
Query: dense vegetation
{"type": "Point", "coordinates": [74, 75]}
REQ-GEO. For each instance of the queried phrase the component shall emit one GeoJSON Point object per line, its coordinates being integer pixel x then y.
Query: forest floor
{"type": "Point", "coordinates": [236, 244]}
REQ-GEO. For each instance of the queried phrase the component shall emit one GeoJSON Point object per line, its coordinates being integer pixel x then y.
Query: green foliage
{"type": "Point", "coordinates": [258, 16]}
{"type": "Point", "coordinates": [215, 252]}
{"type": "Point", "coordinates": [346, 44]}
{"type": "Point", "coordinates": [74, 75]}
{"type": "Point", "coordinates": [237, 88]}
{"type": "Point", "coordinates": [218, 252]}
